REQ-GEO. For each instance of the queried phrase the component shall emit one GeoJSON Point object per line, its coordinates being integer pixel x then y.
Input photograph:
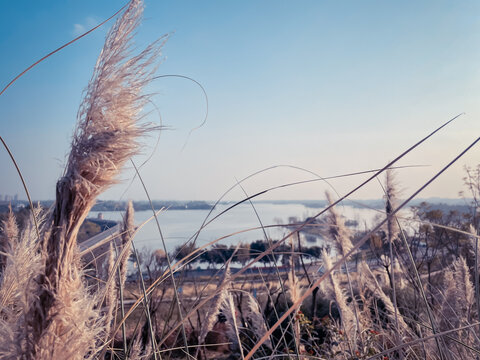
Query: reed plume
{"type": "Point", "coordinates": [474, 248]}
{"type": "Point", "coordinates": [337, 231]}
{"type": "Point", "coordinates": [110, 291]}
{"type": "Point", "coordinates": [228, 310]}
{"type": "Point", "coordinates": [8, 235]}
{"type": "Point", "coordinates": [335, 292]}
{"type": "Point", "coordinates": [17, 286]}
{"type": "Point", "coordinates": [64, 321]}
{"type": "Point", "coordinates": [128, 230]}
{"type": "Point", "coordinates": [460, 288]}
{"type": "Point", "coordinates": [341, 237]}
{"type": "Point", "coordinates": [215, 306]}
{"type": "Point", "coordinates": [105, 137]}
{"type": "Point", "coordinates": [391, 199]}
{"type": "Point", "coordinates": [459, 301]}
{"type": "Point", "coordinates": [392, 229]}
{"type": "Point", "coordinates": [254, 317]}
{"type": "Point", "coordinates": [294, 292]}
{"type": "Point", "coordinates": [391, 311]}
{"type": "Point", "coordinates": [138, 351]}
{"type": "Point", "coordinates": [136, 348]}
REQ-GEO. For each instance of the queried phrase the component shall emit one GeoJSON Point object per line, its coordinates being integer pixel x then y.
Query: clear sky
{"type": "Point", "coordinates": [330, 86]}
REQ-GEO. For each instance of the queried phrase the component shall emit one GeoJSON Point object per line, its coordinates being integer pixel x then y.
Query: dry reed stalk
{"type": "Point", "coordinates": [64, 322]}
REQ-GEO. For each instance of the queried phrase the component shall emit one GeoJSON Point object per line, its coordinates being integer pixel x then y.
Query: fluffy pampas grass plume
{"type": "Point", "coordinates": [459, 299]}
{"type": "Point", "coordinates": [22, 265]}
{"type": "Point", "coordinates": [334, 291]}
{"type": "Point", "coordinates": [8, 235]}
{"type": "Point", "coordinates": [337, 231]}
{"type": "Point", "coordinates": [64, 321]}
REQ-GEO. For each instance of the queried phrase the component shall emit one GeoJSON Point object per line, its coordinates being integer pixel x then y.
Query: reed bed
{"type": "Point", "coordinates": [384, 293]}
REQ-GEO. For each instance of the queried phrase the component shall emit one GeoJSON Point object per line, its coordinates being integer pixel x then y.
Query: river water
{"type": "Point", "coordinates": [239, 224]}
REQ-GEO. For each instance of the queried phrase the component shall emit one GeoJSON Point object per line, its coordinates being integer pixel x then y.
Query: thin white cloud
{"type": "Point", "coordinates": [88, 23]}
{"type": "Point", "coordinates": [78, 29]}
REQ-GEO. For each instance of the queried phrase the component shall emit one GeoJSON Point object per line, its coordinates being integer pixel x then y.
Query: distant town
{"type": "Point", "coordinates": [7, 198]}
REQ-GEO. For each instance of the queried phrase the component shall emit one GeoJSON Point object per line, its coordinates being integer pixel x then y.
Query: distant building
{"type": "Point", "coordinates": [15, 198]}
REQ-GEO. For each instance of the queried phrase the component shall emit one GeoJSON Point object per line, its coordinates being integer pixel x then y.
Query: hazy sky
{"type": "Point", "coordinates": [330, 86]}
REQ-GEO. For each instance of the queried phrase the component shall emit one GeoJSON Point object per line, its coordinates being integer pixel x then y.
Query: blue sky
{"type": "Point", "coordinates": [330, 86]}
